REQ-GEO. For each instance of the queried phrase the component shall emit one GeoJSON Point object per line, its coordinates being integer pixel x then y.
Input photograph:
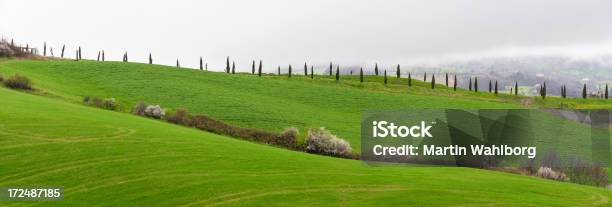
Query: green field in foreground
{"type": "Point", "coordinates": [115, 159]}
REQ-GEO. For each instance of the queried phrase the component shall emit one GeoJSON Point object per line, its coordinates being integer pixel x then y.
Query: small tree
{"type": "Point", "coordinates": [97, 59]}
{"type": "Point", "coordinates": [150, 59]}
{"type": "Point", "coordinates": [331, 68]}
{"type": "Point", "coordinates": [80, 53]}
{"type": "Point", "coordinates": [470, 87]}
{"type": "Point", "coordinates": [495, 87]}
{"type": "Point", "coordinates": [305, 69]}
{"type": "Point", "coordinates": [376, 69]}
{"type": "Point", "coordinates": [409, 79]}
{"type": "Point", "coordinates": [253, 68]}
{"type": "Point", "coordinates": [233, 67]}
{"type": "Point", "coordinates": [201, 63]}
{"type": "Point", "coordinates": [397, 72]}
{"type": "Point", "coordinates": [361, 74]}
{"type": "Point", "coordinates": [490, 86]}
{"type": "Point", "coordinates": [584, 91]}
{"type": "Point", "coordinates": [516, 88]}
{"type": "Point", "coordinates": [227, 65]}
{"type": "Point", "coordinates": [178, 65]}
{"type": "Point", "coordinates": [606, 92]}
{"type": "Point", "coordinates": [433, 81]}
{"type": "Point", "coordinates": [259, 70]}
{"type": "Point", "coordinates": [455, 84]}
{"type": "Point", "coordinates": [544, 91]}
{"type": "Point", "coordinates": [475, 84]}
{"type": "Point", "coordinates": [76, 55]}
{"type": "Point", "coordinates": [45, 49]}
{"type": "Point", "coordinates": [385, 77]}
{"type": "Point", "coordinates": [63, 49]}
{"type": "Point", "coordinates": [446, 79]}
{"type": "Point", "coordinates": [311, 72]}
{"type": "Point", "coordinates": [338, 73]}
{"type": "Point", "coordinates": [425, 77]}
{"type": "Point", "coordinates": [290, 70]}
{"type": "Point", "coordinates": [278, 70]}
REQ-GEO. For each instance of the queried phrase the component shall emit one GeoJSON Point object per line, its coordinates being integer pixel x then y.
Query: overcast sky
{"type": "Point", "coordinates": [348, 32]}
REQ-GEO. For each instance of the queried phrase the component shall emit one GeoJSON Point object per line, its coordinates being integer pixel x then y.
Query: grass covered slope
{"type": "Point", "coordinates": [269, 102]}
{"type": "Point", "coordinates": [109, 158]}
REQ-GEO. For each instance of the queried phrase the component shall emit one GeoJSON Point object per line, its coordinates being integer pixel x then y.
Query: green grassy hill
{"type": "Point", "coordinates": [110, 158]}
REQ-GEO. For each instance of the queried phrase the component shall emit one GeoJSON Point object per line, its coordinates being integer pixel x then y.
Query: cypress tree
{"type": "Point", "coordinates": [45, 49]}
{"type": "Point", "coordinates": [331, 67]}
{"type": "Point", "coordinates": [12, 43]}
{"type": "Point", "coordinates": [97, 59]}
{"type": "Point", "coordinates": [76, 56]}
{"type": "Point", "coordinates": [433, 81]}
{"type": "Point", "coordinates": [584, 91]}
{"type": "Point", "coordinates": [103, 59]}
{"type": "Point", "coordinates": [397, 73]}
{"type": "Point", "coordinates": [470, 87]}
{"type": "Point", "coordinates": [311, 72]}
{"type": "Point", "coordinates": [563, 91]}
{"type": "Point", "coordinates": [446, 75]}
{"type": "Point", "coordinates": [606, 93]}
{"type": "Point", "coordinates": [227, 65]}
{"type": "Point", "coordinates": [63, 49]}
{"type": "Point", "coordinates": [290, 70]}
{"type": "Point", "coordinates": [201, 63]}
{"type": "Point", "coordinates": [475, 84]}
{"type": "Point", "coordinates": [516, 88]}
{"type": "Point", "coordinates": [376, 69]}
{"type": "Point", "coordinates": [361, 74]}
{"type": "Point", "coordinates": [233, 67]}
{"type": "Point", "coordinates": [490, 86]}
{"type": "Point", "coordinates": [80, 53]}
{"type": "Point", "coordinates": [495, 87]}
{"type": "Point", "coordinates": [544, 91]}
{"type": "Point", "coordinates": [150, 59]}
{"type": "Point", "coordinates": [278, 71]}
{"type": "Point", "coordinates": [206, 66]}
{"type": "Point", "coordinates": [253, 68]}
{"type": "Point", "coordinates": [337, 73]}
{"type": "Point", "coordinates": [126, 57]}
{"type": "Point", "coordinates": [385, 77]}
{"type": "Point", "coordinates": [409, 79]}
{"type": "Point", "coordinates": [305, 69]}
{"type": "Point", "coordinates": [455, 84]}
{"type": "Point", "coordinates": [177, 64]}
{"type": "Point", "coordinates": [425, 77]}
{"type": "Point", "coordinates": [259, 70]}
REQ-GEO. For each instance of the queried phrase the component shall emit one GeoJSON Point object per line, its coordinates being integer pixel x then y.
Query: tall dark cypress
{"type": "Point", "coordinates": [233, 67]}
{"type": "Point", "coordinates": [433, 81]}
{"type": "Point", "coordinates": [63, 49]}
{"type": "Point", "coordinates": [446, 74]}
{"type": "Point", "coordinates": [126, 57]}
{"type": "Point", "coordinates": [278, 70]}
{"type": "Point", "coordinates": [606, 92]}
{"type": "Point", "coordinates": [331, 68]}
{"type": "Point", "coordinates": [397, 72]}
{"type": "Point", "coordinates": [470, 87]}
{"type": "Point", "coordinates": [150, 58]}
{"type": "Point", "coordinates": [80, 53]}
{"type": "Point", "coordinates": [361, 74]}
{"type": "Point", "coordinates": [45, 49]}
{"type": "Point", "coordinates": [337, 73]}
{"type": "Point", "coordinates": [495, 87]}
{"type": "Point", "coordinates": [475, 84]}
{"type": "Point", "coordinates": [516, 88]}
{"type": "Point", "coordinates": [97, 59]}
{"type": "Point", "coordinates": [177, 64]}
{"type": "Point", "coordinates": [76, 56]}
{"type": "Point", "coordinates": [544, 91]}
{"type": "Point", "coordinates": [290, 70]}
{"type": "Point", "coordinates": [227, 65]}
{"type": "Point", "coordinates": [455, 84]}
{"type": "Point", "coordinates": [311, 72]}
{"type": "Point", "coordinates": [584, 91]}
{"type": "Point", "coordinates": [259, 70]}
{"type": "Point", "coordinates": [409, 79]}
{"type": "Point", "coordinates": [103, 58]}
{"type": "Point", "coordinates": [376, 69]}
{"type": "Point", "coordinates": [385, 77]}
{"type": "Point", "coordinates": [253, 68]}
{"type": "Point", "coordinates": [305, 69]}
{"type": "Point", "coordinates": [490, 86]}
{"type": "Point", "coordinates": [425, 77]}
{"type": "Point", "coordinates": [201, 63]}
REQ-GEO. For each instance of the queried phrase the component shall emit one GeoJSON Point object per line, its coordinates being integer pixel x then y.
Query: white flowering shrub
{"type": "Point", "coordinates": [154, 111]}
{"type": "Point", "coordinates": [321, 141]}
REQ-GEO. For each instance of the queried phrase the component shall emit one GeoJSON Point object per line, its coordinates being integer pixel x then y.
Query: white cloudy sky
{"type": "Point", "coordinates": [293, 31]}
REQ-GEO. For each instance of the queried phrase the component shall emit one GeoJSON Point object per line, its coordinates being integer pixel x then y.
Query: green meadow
{"type": "Point", "coordinates": [101, 157]}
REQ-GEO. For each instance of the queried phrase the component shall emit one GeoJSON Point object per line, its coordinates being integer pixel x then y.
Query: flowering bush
{"type": "Point", "coordinates": [321, 141]}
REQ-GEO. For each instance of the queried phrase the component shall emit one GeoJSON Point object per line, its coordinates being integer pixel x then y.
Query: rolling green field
{"type": "Point", "coordinates": [269, 102]}
{"type": "Point", "coordinates": [110, 158]}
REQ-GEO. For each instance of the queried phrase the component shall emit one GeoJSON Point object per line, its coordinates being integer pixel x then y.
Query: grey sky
{"type": "Point", "coordinates": [285, 31]}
